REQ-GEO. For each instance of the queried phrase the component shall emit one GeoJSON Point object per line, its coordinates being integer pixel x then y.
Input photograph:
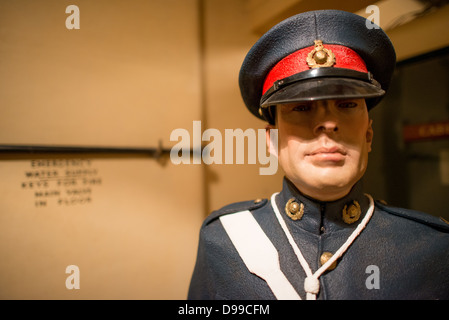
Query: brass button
{"type": "Point", "coordinates": [351, 213]}
{"type": "Point", "coordinates": [325, 257]}
{"type": "Point", "coordinates": [294, 209]}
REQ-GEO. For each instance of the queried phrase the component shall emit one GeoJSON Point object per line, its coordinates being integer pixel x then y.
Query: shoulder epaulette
{"type": "Point", "coordinates": [235, 207]}
{"type": "Point", "coordinates": [421, 217]}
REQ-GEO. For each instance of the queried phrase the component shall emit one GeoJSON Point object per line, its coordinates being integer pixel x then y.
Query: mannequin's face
{"type": "Point", "coordinates": [323, 145]}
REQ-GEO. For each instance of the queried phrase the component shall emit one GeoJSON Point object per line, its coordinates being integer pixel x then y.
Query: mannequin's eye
{"type": "Point", "coordinates": [347, 104]}
{"type": "Point", "coordinates": [302, 107]}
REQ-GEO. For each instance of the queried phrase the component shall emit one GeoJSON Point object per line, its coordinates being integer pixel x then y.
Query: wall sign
{"type": "Point", "coordinates": [426, 131]}
{"type": "Point", "coordinates": [61, 182]}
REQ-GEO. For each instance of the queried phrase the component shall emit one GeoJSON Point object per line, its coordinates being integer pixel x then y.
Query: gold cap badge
{"type": "Point", "coordinates": [320, 56]}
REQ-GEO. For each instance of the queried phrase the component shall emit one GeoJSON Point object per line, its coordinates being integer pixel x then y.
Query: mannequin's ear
{"type": "Point", "coordinates": [369, 135]}
{"type": "Point", "coordinates": [271, 140]}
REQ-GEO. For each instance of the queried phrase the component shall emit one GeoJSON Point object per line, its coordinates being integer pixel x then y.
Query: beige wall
{"type": "Point", "coordinates": [131, 67]}
{"type": "Point", "coordinates": [135, 238]}
{"type": "Point", "coordinates": [229, 36]}
{"type": "Point", "coordinates": [127, 77]}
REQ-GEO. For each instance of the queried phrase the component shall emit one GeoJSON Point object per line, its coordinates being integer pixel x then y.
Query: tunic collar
{"type": "Point", "coordinates": [320, 217]}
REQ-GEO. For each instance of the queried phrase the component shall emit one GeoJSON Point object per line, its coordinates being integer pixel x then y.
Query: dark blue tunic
{"type": "Point", "coordinates": [408, 249]}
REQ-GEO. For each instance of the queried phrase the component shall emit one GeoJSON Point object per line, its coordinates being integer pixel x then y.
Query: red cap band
{"type": "Point", "coordinates": [297, 62]}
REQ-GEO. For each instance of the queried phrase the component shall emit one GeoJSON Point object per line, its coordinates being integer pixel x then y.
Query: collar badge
{"type": "Point", "coordinates": [294, 209]}
{"type": "Point", "coordinates": [351, 213]}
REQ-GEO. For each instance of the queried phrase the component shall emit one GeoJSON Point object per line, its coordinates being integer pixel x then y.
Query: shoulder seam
{"type": "Point", "coordinates": [235, 207]}
{"type": "Point", "coordinates": [420, 217]}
